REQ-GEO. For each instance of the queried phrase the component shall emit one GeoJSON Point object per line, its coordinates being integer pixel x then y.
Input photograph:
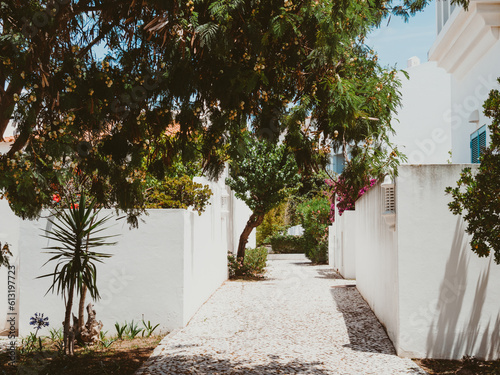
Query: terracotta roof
{"type": "Point", "coordinates": [173, 129]}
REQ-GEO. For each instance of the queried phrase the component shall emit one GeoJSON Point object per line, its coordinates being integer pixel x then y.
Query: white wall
{"type": "Point", "coordinates": [205, 262]}
{"type": "Point", "coordinates": [144, 276]}
{"type": "Point", "coordinates": [9, 233]}
{"type": "Point", "coordinates": [370, 246]}
{"type": "Point", "coordinates": [449, 297]}
{"type": "Point", "coordinates": [162, 271]}
{"type": "Point", "coordinates": [342, 244]}
{"type": "Point", "coordinates": [422, 124]}
{"type": "Point", "coordinates": [436, 298]}
{"type": "Point", "coordinates": [377, 260]}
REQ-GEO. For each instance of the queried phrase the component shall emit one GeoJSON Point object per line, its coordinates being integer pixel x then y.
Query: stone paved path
{"type": "Point", "coordinates": [302, 319]}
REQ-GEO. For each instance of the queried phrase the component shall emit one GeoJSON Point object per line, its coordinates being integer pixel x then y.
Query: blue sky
{"type": "Point", "coordinates": [398, 41]}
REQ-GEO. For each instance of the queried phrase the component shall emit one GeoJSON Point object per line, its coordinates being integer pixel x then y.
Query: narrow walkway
{"type": "Point", "coordinates": [302, 319]}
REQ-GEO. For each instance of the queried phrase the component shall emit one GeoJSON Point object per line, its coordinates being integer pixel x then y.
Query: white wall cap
{"type": "Point", "coordinates": [467, 36]}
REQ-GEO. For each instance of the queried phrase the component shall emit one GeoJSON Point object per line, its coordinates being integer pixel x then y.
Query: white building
{"type": "Point", "coordinates": [467, 47]}
{"type": "Point", "coordinates": [423, 129]}
{"type": "Point", "coordinates": [442, 101]}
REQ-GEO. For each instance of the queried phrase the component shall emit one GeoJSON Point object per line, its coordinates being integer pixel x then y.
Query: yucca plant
{"type": "Point", "coordinates": [120, 330]}
{"type": "Point", "coordinates": [76, 229]}
{"type": "Point", "coordinates": [133, 330]}
{"type": "Point", "coordinates": [148, 328]}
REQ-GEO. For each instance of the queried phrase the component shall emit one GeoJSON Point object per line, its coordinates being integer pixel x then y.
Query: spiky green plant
{"type": "Point", "coordinates": [148, 328]}
{"type": "Point", "coordinates": [76, 230]}
{"type": "Point", "coordinates": [133, 330]}
{"type": "Point", "coordinates": [121, 330]}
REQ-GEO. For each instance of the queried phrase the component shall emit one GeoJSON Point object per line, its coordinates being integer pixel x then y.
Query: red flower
{"type": "Point", "coordinates": [56, 198]}
{"type": "Point", "coordinates": [75, 206]}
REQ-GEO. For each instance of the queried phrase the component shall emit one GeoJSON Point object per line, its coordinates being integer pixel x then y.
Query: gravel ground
{"type": "Point", "coordinates": [301, 319]}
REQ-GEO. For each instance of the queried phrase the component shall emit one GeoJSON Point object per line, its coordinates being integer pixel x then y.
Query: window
{"type": "Point", "coordinates": [477, 144]}
{"type": "Point", "coordinates": [337, 163]}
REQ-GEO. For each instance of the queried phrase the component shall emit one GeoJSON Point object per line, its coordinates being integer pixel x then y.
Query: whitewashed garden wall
{"type": "Point", "coordinates": [436, 298]}
{"type": "Point", "coordinates": [163, 271]}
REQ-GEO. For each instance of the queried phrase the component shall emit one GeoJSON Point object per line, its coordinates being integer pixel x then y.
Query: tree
{"type": "Point", "coordinates": [262, 176]}
{"type": "Point", "coordinates": [208, 67]}
{"type": "Point", "coordinates": [75, 271]}
{"type": "Point", "coordinates": [477, 194]}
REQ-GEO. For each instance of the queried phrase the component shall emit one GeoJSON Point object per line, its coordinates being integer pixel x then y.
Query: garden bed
{"type": "Point", "coordinates": [467, 366]}
{"type": "Point", "coordinates": [123, 357]}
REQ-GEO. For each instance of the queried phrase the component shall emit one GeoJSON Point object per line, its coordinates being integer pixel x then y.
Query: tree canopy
{"type": "Point", "coordinates": [262, 175]}
{"type": "Point", "coordinates": [176, 79]}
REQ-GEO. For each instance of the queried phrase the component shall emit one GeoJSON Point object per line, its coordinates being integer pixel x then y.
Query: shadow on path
{"type": "Point", "coordinates": [207, 364]}
{"type": "Point", "coordinates": [365, 332]}
{"type": "Point", "coordinates": [328, 274]}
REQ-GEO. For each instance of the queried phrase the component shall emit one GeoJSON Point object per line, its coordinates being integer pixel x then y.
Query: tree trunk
{"type": "Point", "coordinates": [83, 296]}
{"type": "Point", "coordinates": [81, 313]}
{"type": "Point", "coordinates": [69, 336]}
{"type": "Point", "coordinates": [254, 221]}
{"type": "Point", "coordinates": [92, 329]}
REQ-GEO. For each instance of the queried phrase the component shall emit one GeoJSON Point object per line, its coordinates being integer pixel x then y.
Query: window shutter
{"type": "Point", "coordinates": [482, 142]}
{"type": "Point", "coordinates": [474, 149]}
{"type": "Point", "coordinates": [477, 144]}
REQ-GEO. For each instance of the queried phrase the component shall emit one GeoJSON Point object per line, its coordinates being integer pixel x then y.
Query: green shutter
{"type": "Point", "coordinates": [477, 144]}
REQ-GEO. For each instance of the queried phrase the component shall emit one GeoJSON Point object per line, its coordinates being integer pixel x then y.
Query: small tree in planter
{"type": "Point", "coordinates": [262, 175]}
{"type": "Point", "coordinates": [76, 229]}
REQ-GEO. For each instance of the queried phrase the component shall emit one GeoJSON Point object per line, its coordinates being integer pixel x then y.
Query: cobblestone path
{"type": "Point", "coordinates": [302, 319]}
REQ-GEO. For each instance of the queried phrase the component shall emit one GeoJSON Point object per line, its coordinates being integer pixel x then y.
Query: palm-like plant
{"type": "Point", "coordinates": [75, 230]}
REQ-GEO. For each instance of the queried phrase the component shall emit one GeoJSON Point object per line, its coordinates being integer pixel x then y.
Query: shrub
{"type": "Point", "coordinates": [178, 192]}
{"type": "Point", "coordinates": [253, 264]}
{"type": "Point", "coordinates": [315, 215]}
{"type": "Point", "coordinates": [286, 244]}
{"type": "Point", "coordinates": [273, 222]}
{"type": "Point", "coordinates": [318, 253]}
